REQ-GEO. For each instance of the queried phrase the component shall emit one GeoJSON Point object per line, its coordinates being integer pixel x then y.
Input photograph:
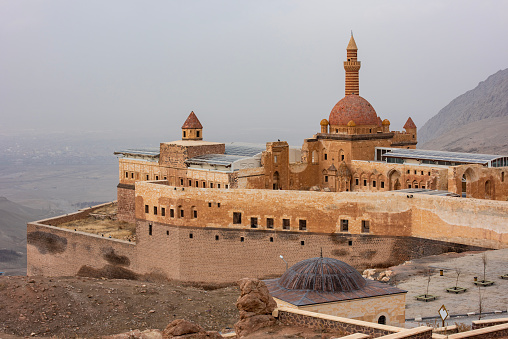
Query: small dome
{"type": "Point", "coordinates": [324, 122]}
{"type": "Point", "coordinates": [386, 122]}
{"type": "Point", "coordinates": [351, 124]}
{"type": "Point", "coordinates": [353, 107]}
{"type": "Point", "coordinates": [322, 274]}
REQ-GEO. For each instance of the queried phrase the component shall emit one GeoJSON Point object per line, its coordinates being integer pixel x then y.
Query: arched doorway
{"type": "Point", "coordinates": [393, 180]}
{"type": "Point", "coordinates": [466, 180]}
{"type": "Point", "coordinates": [488, 189]}
{"type": "Point", "coordinates": [276, 180]}
{"type": "Point", "coordinates": [382, 320]}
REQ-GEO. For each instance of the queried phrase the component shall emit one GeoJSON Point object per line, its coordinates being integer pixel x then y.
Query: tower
{"type": "Point", "coordinates": [352, 67]}
{"type": "Point", "coordinates": [192, 128]}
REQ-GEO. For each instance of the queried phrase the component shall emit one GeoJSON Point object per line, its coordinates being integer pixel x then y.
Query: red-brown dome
{"type": "Point", "coordinates": [353, 107]}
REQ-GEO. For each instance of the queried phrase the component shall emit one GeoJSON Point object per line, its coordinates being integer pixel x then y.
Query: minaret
{"type": "Point", "coordinates": [352, 67]}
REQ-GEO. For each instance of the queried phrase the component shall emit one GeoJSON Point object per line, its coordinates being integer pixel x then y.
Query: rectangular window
{"type": "Point", "coordinates": [423, 186]}
{"type": "Point", "coordinates": [302, 225]}
{"type": "Point", "coordinates": [286, 224]}
{"type": "Point", "coordinates": [227, 186]}
{"type": "Point", "coordinates": [163, 211]}
{"type": "Point", "coordinates": [171, 213]}
{"type": "Point", "coordinates": [181, 182]}
{"type": "Point", "coordinates": [216, 237]}
{"type": "Point", "coordinates": [356, 181]}
{"type": "Point", "coordinates": [274, 159]}
{"type": "Point", "coordinates": [326, 156]}
{"type": "Point", "coordinates": [147, 176]}
{"type": "Point", "coordinates": [190, 183]}
{"type": "Point", "coordinates": [204, 184]}
{"type": "Point", "coordinates": [342, 157]}
{"type": "Point", "coordinates": [181, 213]}
{"type": "Point", "coordinates": [302, 242]}
{"type": "Point", "coordinates": [242, 239]}
{"type": "Point", "coordinates": [197, 134]}
{"type": "Point", "coordinates": [146, 208]}
{"type": "Point", "coordinates": [211, 185]}
{"type": "Point", "coordinates": [422, 172]}
{"type": "Point", "coordinates": [191, 236]}
{"type": "Point", "coordinates": [269, 222]}
{"type": "Point", "coordinates": [364, 182]}
{"type": "Point", "coordinates": [209, 204]}
{"type": "Point", "coordinates": [408, 171]}
{"type": "Point", "coordinates": [254, 222]}
{"type": "Point", "coordinates": [155, 210]}
{"type": "Point", "coordinates": [149, 229]}
{"type": "Point", "coordinates": [344, 225]}
{"type": "Point", "coordinates": [374, 184]}
{"type": "Point", "coordinates": [156, 177]}
{"type": "Point", "coordinates": [132, 175]}
{"type": "Point", "coordinates": [167, 232]}
{"type": "Point", "coordinates": [218, 204]}
{"type": "Point", "coordinates": [126, 174]}
{"type": "Point", "coordinates": [218, 185]}
{"type": "Point", "coordinates": [197, 183]}
{"type": "Point", "coordinates": [271, 239]}
{"type": "Point", "coordinates": [365, 226]}
{"type": "Point", "coordinates": [237, 218]}
{"type": "Point", "coordinates": [408, 186]}
{"type": "Point", "coordinates": [195, 214]}
{"type": "Point", "coordinates": [326, 178]}
{"type": "Point", "coordinates": [415, 171]}
{"type": "Point", "coordinates": [382, 184]}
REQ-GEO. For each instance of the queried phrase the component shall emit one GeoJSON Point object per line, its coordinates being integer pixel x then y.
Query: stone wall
{"type": "Point", "coordinates": [125, 196]}
{"type": "Point", "coordinates": [473, 222]}
{"type": "Point", "coordinates": [222, 255]}
{"type": "Point", "coordinates": [52, 251]}
{"type": "Point", "coordinates": [346, 326]}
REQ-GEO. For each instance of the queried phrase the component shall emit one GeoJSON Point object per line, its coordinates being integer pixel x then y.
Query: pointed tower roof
{"type": "Point", "coordinates": [352, 43]}
{"type": "Point", "coordinates": [409, 123]}
{"type": "Point", "coordinates": [192, 121]}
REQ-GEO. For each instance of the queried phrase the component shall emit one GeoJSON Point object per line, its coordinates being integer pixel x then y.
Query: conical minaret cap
{"type": "Point", "coordinates": [352, 43]}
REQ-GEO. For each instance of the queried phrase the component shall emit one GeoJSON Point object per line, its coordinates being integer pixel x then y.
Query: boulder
{"type": "Point", "coordinates": [184, 329]}
{"type": "Point", "coordinates": [255, 305]}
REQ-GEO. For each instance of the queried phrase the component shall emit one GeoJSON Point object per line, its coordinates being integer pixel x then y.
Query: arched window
{"type": "Point", "coordinates": [382, 320]}
{"type": "Point", "coordinates": [314, 157]}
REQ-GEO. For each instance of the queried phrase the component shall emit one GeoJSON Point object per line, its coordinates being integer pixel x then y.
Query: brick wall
{"type": "Point", "coordinates": [125, 197]}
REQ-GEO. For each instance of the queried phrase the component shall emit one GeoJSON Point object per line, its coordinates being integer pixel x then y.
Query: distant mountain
{"type": "Point", "coordinates": [476, 121]}
{"type": "Point", "coordinates": [13, 219]}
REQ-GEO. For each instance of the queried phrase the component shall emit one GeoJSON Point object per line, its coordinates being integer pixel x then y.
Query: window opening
{"type": "Point", "coordinates": [242, 239]}
{"type": "Point", "coordinates": [155, 210]}
{"type": "Point", "coordinates": [269, 222]}
{"type": "Point", "coordinates": [254, 222]}
{"type": "Point", "coordinates": [365, 226]}
{"type": "Point", "coordinates": [237, 218]}
{"type": "Point", "coordinates": [171, 213]}
{"type": "Point", "coordinates": [191, 235]}
{"type": "Point", "coordinates": [271, 239]}
{"type": "Point", "coordinates": [216, 237]}
{"type": "Point", "coordinates": [344, 225]}
{"type": "Point", "coordinates": [350, 243]}
{"type": "Point", "coordinates": [286, 224]}
{"type": "Point", "coordinates": [149, 229]}
{"type": "Point", "coordinates": [302, 225]}
{"type": "Point", "coordinates": [302, 242]}
{"type": "Point", "coordinates": [146, 208]}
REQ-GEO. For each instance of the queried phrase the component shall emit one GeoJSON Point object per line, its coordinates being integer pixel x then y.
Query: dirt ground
{"type": "Point", "coordinates": [85, 307]}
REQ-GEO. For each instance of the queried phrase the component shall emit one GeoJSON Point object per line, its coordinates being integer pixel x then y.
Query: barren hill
{"type": "Point", "coordinates": [475, 122]}
{"type": "Point", "coordinates": [13, 219]}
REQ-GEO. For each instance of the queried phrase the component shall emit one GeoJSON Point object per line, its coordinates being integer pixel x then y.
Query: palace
{"type": "Point", "coordinates": [215, 212]}
{"type": "Point", "coordinates": [355, 151]}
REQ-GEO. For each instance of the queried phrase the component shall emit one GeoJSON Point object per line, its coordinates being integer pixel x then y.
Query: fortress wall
{"type": "Point", "coordinates": [170, 251]}
{"type": "Point", "coordinates": [82, 213]}
{"type": "Point", "coordinates": [125, 195]}
{"type": "Point", "coordinates": [52, 251]}
{"type": "Point", "coordinates": [475, 222]}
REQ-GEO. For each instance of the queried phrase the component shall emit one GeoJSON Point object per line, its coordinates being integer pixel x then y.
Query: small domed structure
{"type": "Point", "coordinates": [386, 122]}
{"type": "Point", "coordinates": [351, 124]}
{"type": "Point", "coordinates": [353, 107]}
{"type": "Point", "coordinates": [324, 122]}
{"type": "Point", "coordinates": [322, 274]}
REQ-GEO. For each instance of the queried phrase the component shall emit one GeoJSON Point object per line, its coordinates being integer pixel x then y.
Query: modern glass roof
{"type": "Point", "coordinates": [470, 158]}
{"type": "Point", "coordinates": [215, 159]}
{"type": "Point", "coordinates": [244, 149]}
{"type": "Point", "coordinates": [152, 152]}
{"type": "Point", "coordinates": [428, 192]}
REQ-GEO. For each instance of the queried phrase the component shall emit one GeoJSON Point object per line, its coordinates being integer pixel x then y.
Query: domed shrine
{"type": "Point", "coordinates": [330, 286]}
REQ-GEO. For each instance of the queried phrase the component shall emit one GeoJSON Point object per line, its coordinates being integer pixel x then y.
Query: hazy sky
{"type": "Point", "coordinates": [252, 71]}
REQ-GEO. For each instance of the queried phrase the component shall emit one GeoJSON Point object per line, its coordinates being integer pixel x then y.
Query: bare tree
{"type": "Point", "coordinates": [457, 272]}
{"type": "Point", "coordinates": [429, 275]}
{"type": "Point", "coordinates": [484, 260]}
{"type": "Point", "coordinates": [480, 302]}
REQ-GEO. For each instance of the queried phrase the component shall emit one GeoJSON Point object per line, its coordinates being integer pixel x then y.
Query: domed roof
{"type": "Point", "coordinates": [351, 124]}
{"type": "Point", "coordinates": [322, 274]}
{"type": "Point", "coordinates": [353, 107]}
{"type": "Point", "coordinates": [386, 122]}
{"type": "Point", "coordinates": [324, 122]}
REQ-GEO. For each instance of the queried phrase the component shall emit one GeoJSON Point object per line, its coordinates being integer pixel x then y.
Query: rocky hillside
{"type": "Point", "coordinates": [476, 121]}
{"type": "Point", "coordinates": [13, 219]}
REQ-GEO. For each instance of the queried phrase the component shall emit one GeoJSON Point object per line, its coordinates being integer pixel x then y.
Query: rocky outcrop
{"type": "Point", "coordinates": [184, 329]}
{"type": "Point", "coordinates": [255, 305]}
